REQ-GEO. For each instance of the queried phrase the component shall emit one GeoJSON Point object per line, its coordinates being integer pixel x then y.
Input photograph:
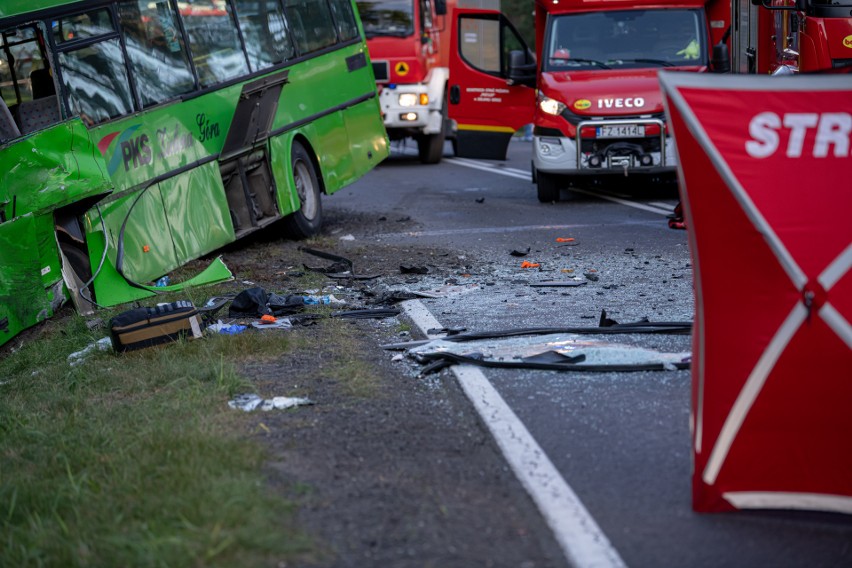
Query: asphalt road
{"type": "Point", "coordinates": [620, 441]}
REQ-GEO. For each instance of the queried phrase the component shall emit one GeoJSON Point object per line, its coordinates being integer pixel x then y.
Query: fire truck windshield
{"type": "Point", "coordinates": [626, 39]}
{"type": "Point", "coordinates": [387, 17]}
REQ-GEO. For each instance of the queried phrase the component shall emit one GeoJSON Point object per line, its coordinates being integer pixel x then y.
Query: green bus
{"type": "Point", "coordinates": [137, 135]}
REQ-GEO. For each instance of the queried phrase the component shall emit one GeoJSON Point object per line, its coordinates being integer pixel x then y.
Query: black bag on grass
{"type": "Point", "coordinates": [144, 327]}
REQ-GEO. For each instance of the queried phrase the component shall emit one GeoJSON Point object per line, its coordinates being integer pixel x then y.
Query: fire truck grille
{"type": "Point", "coordinates": [647, 144]}
{"type": "Point", "coordinates": [381, 70]}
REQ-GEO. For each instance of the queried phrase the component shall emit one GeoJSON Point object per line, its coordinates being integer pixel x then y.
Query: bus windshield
{"type": "Point", "coordinates": [387, 17]}
{"type": "Point", "coordinates": [626, 39]}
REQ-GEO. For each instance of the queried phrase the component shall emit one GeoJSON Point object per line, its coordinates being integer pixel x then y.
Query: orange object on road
{"type": "Point", "coordinates": [564, 239]}
{"type": "Point", "coordinates": [528, 264]}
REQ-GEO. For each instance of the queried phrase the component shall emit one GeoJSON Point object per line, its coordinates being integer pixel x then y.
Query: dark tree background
{"type": "Point", "coordinates": [520, 12]}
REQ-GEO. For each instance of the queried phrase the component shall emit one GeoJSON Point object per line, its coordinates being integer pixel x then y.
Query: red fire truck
{"type": "Point", "coordinates": [409, 48]}
{"type": "Point", "coordinates": [590, 90]}
{"type": "Point", "coordinates": [782, 37]}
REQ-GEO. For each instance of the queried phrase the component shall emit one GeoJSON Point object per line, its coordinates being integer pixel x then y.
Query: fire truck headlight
{"type": "Point", "coordinates": [407, 99]}
{"type": "Point", "coordinates": [550, 106]}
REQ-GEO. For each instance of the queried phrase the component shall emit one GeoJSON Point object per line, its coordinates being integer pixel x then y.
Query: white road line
{"type": "Point", "coordinates": [663, 205]}
{"type": "Point", "coordinates": [519, 174]}
{"type": "Point", "coordinates": [509, 172]}
{"type": "Point", "coordinates": [614, 199]}
{"type": "Point", "coordinates": [582, 541]}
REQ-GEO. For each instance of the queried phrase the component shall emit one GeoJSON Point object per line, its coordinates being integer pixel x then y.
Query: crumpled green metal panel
{"type": "Point", "coordinates": [197, 210]}
{"type": "Point", "coordinates": [167, 224]}
{"type": "Point", "coordinates": [50, 169]}
{"type": "Point", "coordinates": [23, 299]}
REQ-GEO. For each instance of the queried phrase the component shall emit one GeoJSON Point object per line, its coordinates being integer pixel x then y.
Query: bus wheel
{"type": "Point", "coordinates": [307, 220]}
{"type": "Point", "coordinates": [548, 187]}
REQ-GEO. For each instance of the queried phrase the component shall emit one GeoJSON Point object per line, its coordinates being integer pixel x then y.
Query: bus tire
{"type": "Point", "coordinates": [307, 220]}
{"type": "Point", "coordinates": [548, 186]}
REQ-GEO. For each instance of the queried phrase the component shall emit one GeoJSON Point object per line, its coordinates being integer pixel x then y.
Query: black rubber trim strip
{"type": "Point", "coordinates": [542, 361]}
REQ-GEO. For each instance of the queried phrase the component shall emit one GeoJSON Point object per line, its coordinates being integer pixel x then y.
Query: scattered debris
{"type": "Point", "coordinates": [518, 252]}
{"type": "Point", "coordinates": [591, 276]}
{"type": "Point", "coordinates": [528, 264]}
{"type": "Point", "coordinates": [250, 402]}
{"type": "Point", "coordinates": [347, 238]}
{"type": "Point", "coordinates": [606, 326]}
{"type": "Point", "coordinates": [410, 269]}
{"type": "Point", "coordinates": [564, 239]}
{"type": "Point", "coordinates": [480, 200]}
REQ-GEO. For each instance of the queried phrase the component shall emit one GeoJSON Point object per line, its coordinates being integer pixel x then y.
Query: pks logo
{"type": "Point", "coordinates": [582, 104]}
{"type": "Point", "coordinates": [847, 41]}
{"type": "Point", "coordinates": [132, 151]}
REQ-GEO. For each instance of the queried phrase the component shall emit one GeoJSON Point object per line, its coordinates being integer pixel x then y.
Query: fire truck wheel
{"type": "Point", "coordinates": [430, 147]}
{"type": "Point", "coordinates": [307, 220]}
{"type": "Point", "coordinates": [548, 187]}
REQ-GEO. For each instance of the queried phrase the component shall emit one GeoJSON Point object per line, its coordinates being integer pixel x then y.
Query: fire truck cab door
{"type": "Point", "coordinates": [487, 106]}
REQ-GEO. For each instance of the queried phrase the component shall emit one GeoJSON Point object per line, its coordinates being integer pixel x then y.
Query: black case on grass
{"type": "Point", "coordinates": [144, 327]}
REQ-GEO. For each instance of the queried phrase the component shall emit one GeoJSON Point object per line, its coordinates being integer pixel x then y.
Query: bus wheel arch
{"type": "Point", "coordinates": [306, 221]}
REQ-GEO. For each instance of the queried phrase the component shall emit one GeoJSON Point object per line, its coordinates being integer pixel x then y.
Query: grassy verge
{"type": "Point", "coordinates": [134, 459]}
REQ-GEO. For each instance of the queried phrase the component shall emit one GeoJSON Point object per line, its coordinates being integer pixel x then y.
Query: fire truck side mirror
{"type": "Point", "coordinates": [521, 71]}
{"type": "Point", "coordinates": [441, 7]}
{"type": "Point", "coordinates": [720, 61]}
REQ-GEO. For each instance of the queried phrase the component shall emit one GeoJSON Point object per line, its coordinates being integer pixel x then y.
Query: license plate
{"type": "Point", "coordinates": [621, 131]}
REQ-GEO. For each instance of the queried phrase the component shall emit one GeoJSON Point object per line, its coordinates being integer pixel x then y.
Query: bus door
{"type": "Point", "coordinates": [492, 83]}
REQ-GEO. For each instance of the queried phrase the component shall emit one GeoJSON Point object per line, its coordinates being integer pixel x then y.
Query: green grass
{"type": "Point", "coordinates": [135, 459]}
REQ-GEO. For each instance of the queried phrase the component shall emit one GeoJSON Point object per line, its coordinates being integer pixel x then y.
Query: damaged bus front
{"type": "Point", "coordinates": [137, 135]}
{"type": "Point", "coordinates": [44, 192]}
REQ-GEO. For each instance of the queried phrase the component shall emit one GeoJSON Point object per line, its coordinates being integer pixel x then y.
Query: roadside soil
{"type": "Point", "coordinates": [400, 473]}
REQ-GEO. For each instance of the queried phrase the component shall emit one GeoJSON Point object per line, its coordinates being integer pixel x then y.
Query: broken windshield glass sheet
{"type": "Point", "coordinates": [560, 351]}
{"type": "Point", "coordinates": [250, 402]}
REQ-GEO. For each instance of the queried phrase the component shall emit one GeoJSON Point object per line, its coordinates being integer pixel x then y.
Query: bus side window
{"type": "Point", "coordinates": [346, 26]}
{"type": "Point", "coordinates": [94, 74]}
{"type": "Point", "coordinates": [216, 49]}
{"type": "Point", "coordinates": [27, 83]}
{"type": "Point", "coordinates": [311, 23]}
{"type": "Point", "coordinates": [265, 33]}
{"type": "Point", "coordinates": [156, 50]}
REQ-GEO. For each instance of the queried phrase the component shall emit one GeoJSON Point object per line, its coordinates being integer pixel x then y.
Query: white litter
{"type": "Point", "coordinates": [250, 402]}
{"type": "Point", "coordinates": [78, 357]}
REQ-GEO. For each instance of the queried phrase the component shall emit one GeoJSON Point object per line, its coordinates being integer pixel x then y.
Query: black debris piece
{"type": "Point", "coordinates": [446, 330]}
{"type": "Point", "coordinates": [553, 361]}
{"type": "Point", "coordinates": [410, 269]}
{"type": "Point", "coordinates": [341, 268]}
{"type": "Point", "coordinates": [518, 252]}
{"type": "Point", "coordinates": [557, 284]}
{"type": "Point", "coordinates": [256, 302]}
